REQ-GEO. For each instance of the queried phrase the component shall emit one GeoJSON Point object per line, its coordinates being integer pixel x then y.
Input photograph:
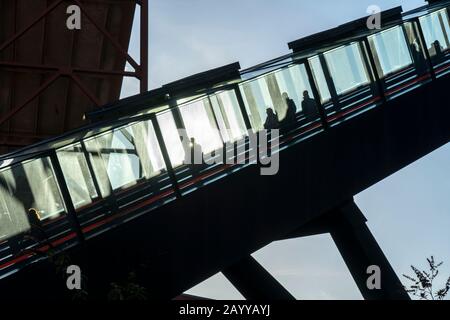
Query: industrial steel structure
{"type": "Point", "coordinates": [117, 195]}
{"type": "Point", "coordinates": [51, 75]}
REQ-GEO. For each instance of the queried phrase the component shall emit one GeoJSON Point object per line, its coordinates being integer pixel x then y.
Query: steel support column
{"type": "Point", "coordinates": [359, 249]}
{"type": "Point", "coordinates": [254, 282]}
{"type": "Point", "coordinates": [144, 46]}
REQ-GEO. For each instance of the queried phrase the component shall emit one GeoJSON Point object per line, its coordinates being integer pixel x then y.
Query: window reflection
{"type": "Point", "coordinates": [31, 184]}
{"type": "Point", "coordinates": [200, 124]}
{"type": "Point", "coordinates": [417, 47]}
{"type": "Point", "coordinates": [171, 138]}
{"type": "Point", "coordinates": [147, 147]}
{"type": "Point", "coordinates": [229, 117]}
{"type": "Point", "coordinates": [347, 68]}
{"type": "Point", "coordinates": [275, 90]}
{"type": "Point", "coordinates": [319, 79]}
{"type": "Point", "coordinates": [436, 31]}
{"type": "Point", "coordinates": [77, 176]}
{"type": "Point", "coordinates": [390, 50]}
{"type": "Point", "coordinates": [116, 153]}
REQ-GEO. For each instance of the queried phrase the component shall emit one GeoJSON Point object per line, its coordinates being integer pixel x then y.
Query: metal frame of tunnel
{"type": "Point", "coordinates": [358, 247]}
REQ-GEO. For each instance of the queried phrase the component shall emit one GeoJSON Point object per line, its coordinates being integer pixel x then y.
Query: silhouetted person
{"type": "Point", "coordinates": [438, 50]}
{"type": "Point", "coordinates": [418, 58]}
{"type": "Point", "coordinates": [196, 156]}
{"type": "Point", "coordinates": [309, 106]}
{"type": "Point", "coordinates": [36, 230]}
{"type": "Point", "coordinates": [34, 217]}
{"type": "Point", "coordinates": [291, 111]}
{"type": "Point", "coordinates": [271, 120]}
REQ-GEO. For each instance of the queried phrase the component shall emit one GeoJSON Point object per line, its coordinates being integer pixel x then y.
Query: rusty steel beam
{"type": "Point", "coordinates": [144, 47]}
{"type": "Point", "coordinates": [12, 66]}
{"type": "Point", "coordinates": [12, 93]}
{"type": "Point", "coordinates": [7, 43]}
{"type": "Point", "coordinates": [140, 71]}
{"type": "Point", "coordinates": [8, 138]}
{"type": "Point", "coordinates": [68, 90]}
{"type": "Point", "coordinates": [42, 61]}
{"type": "Point", "coordinates": [85, 90]}
{"type": "Point", "coordinates": [103, 51]}
{"type": "Point", "coordinates": [115, 43]}
{"type": "Point", "coordinates": [33, 96]}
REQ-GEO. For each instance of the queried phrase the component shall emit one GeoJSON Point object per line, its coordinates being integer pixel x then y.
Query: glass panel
{"type": "Point", "coordinates": [292, 82]}
{"type": "Point", "coordinates": [151, 152]}
{"type": "Point", "coordinates": [171, 138]}
{"type": "Point", "coordinates": [31, 184]}
{"type": "Point", "coordinates": [7, 227]}
{"type": "Point", "coordinates": [94, 150]}
{"type": "Point", "coordinates": [228, 114]}
{"type": "Point", "coordinates": [255, 102]}
{"type": "Point", "coordinates": [148, 149]}
{"type": "Point", "coordinates": [347, 68]}
{"type": "Point", "coordinates": [116, 153]}
{"type": "Point", "coordinates": [200, 124]}
{"type": "Point", "coordinates": [390, 50]}
{"type": "Point", "coordinates": [417, 47]}
{"type": "Point", "coordinates": [319, 79]}
{"type": "Point", "coordinates": [436, 31]}
{"type": "Point", "coordinates": [283, 91]}
{"type": "Point", "coordinates": [77, 175]}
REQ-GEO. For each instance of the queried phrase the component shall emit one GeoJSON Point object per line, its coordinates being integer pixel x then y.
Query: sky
{"type": "Point", "coordinates": [408, 213]}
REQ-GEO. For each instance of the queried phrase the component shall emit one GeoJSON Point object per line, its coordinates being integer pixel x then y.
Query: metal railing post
{"type": "Point", "coordinates": [91, 169]}
{"type": "Point", "coordinates": [330, 82]}
{"type": "Point", "coordinates": [165, 154]}
{"type": "Point", "coordinates": [316, 95]}
{"type": "Point", "coordinates": [241, 104]}
{"type": "Point", "coordinates": [216, 121]}
{"type": "Point", "coordinates": [373, 66]}
{"type": "Point", "coordinates": [71, 212]}
{"type": "Point", "coordinates": [110, 199]}
{"type": "Point", "coordinates": [427, 53]}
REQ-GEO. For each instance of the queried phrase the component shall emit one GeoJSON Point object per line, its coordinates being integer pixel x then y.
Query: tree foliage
{"type": "Point", "coordinates": [128, 290]}
{"type": "Point", "coordinates": [423, 282]}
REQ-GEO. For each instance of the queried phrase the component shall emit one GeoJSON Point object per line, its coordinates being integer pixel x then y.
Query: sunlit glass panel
{"type": "Point", "coordinates": [201, 124]}
{"type": "Point", "coordinates": [31, 184]}
{"type": "Point", "coordinates": [228, 115]}
{"type": "Point", "coordinates": [347, 68]}
{"type": "Point", "coordinates": [77, 176]}
{"type": "Point", "coordinates": [391, 50]}
{"type": "Point", "coordinates": [285, 92]}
